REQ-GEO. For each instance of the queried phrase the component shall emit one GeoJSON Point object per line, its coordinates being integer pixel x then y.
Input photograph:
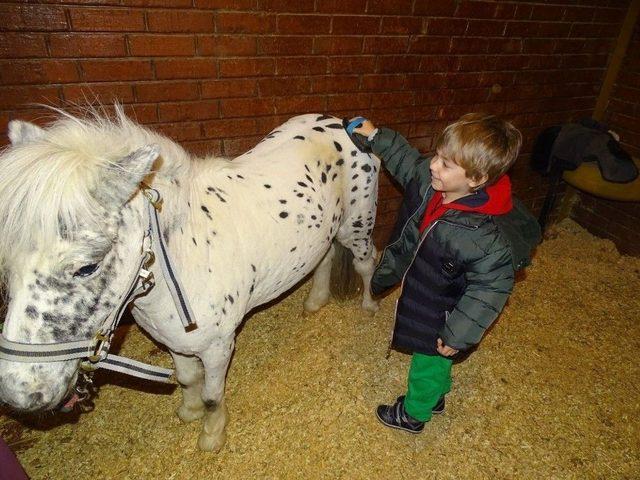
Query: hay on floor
{"type": "Point", "coordinates": [551, 393]}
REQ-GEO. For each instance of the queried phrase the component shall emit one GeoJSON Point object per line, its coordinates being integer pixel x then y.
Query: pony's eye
{"type": "Point", "coordinates": [86, 270]}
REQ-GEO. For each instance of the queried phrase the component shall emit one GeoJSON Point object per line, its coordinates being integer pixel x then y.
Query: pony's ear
{"type": "Point", "coordinates": [22, 132]}
{"type": "Point", "coordinates": [122, 180]}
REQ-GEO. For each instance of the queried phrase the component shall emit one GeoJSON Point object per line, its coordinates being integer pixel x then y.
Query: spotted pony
{"type": "Point", "coordinates": [240, 233]}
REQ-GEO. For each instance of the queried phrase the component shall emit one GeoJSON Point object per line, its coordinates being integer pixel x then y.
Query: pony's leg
{"type": "Point", "coordinates": [365, 269]}
{"type": "Point", "coordinates": [319, 294]}
{"type": "Point", "coordinates": [216, 361]}
{"type": "Point", "coordinates": [190, 374]}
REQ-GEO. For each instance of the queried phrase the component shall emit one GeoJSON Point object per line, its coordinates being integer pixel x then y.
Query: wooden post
{"type": "Point", "coordinates": [616, 59]}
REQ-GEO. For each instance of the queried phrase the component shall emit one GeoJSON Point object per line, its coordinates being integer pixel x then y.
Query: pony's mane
{"type": "Point", "coordinates": [48, 185]}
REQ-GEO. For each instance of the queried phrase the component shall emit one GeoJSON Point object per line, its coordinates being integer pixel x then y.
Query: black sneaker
{"type": "Point", "coordinates": [395, 416]}
{"type": "Point", "coordinates": [439, 407]}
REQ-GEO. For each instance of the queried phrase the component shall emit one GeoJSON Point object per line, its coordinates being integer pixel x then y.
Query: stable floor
{"type": "Point", "coordinates": [552, 392]}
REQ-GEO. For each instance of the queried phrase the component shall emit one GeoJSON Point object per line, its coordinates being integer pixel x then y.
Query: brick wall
{"type": "Point", "coordinates": [618, 221]}
{"type": "Point", "coordinates": [217, 75]}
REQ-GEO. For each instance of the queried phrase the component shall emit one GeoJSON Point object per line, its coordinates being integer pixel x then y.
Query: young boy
{"type": "Point", "coordinates": [459, 238]}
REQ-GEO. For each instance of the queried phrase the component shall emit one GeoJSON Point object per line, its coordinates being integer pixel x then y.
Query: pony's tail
{"type": "Point", "coordinates": [345, 282]}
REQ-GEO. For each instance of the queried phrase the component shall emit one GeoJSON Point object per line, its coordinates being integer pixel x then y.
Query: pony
{"type": "Point", "coordinates": [239, 232]}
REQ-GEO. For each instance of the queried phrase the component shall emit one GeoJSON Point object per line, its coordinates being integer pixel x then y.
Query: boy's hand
{"type": "Point", "coordinates": [366, 129]}
{"type": "Point", "coordinates": [445, 350]}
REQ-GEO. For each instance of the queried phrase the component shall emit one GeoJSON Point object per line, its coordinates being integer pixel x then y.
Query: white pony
{"type": "Point", "coordinates": [239, 232]}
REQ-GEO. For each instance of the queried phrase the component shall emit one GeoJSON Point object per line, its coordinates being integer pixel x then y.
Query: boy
{"type": "Point", "coordinates": [459, 238]}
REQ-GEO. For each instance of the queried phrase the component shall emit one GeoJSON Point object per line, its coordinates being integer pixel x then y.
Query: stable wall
{"type": "Point", "coordinates": [218, 75]}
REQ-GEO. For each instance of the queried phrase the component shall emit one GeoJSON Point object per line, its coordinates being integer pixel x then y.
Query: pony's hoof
{"type": "Point", "coordinates": [211, 443]}
{"type": "Point", "coordinates": [188, 415]}
{"type": "Point", "coordinates": [371, 308]}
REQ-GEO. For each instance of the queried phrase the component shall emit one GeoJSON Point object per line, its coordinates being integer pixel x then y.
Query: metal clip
{"type": "Point", "coordinates": [100, 345]}
{"type": "Point", "coordinates": [155, 201]}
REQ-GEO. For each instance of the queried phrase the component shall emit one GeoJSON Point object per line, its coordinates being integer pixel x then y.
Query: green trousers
{"type": "Point", "coordinates": [429, 378]}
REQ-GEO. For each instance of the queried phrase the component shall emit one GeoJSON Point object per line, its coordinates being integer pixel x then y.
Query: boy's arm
{"type": "Point", "coordinates": [398, 156]}
{"type": "Point", "coordinates": [489, 284]}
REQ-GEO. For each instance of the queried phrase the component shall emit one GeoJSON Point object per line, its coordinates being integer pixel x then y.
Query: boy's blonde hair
{"type": "Point", "coordinates": [481, 144]}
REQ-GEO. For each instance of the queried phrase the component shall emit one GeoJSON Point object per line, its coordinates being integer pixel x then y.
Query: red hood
{"type": "Point", "coordinates": [492, 200]}
{"type": "Point", "coordinates": [495, 200]}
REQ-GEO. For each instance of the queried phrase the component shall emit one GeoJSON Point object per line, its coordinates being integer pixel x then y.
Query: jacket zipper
{"type": "Point", "coordinates": [402, 231]}
{"type": "Point", "coordinates": [415, 254]}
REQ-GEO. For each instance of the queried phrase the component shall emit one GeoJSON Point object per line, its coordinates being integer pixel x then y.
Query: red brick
{"type": "Point", "coordinates": [244, 107]}
{"type": "Point", "coordinates": [204, 148]}
{"type": "Point", "coordinates": [283, 86]}
{"type": "Point", "coordinates": [398, 63]}
{"type": "Point", "coordinates": [429, 44]}
{"type": "Point", "coordinates": [180, 132]}
{"type": "Point", "coordinates": [553, 29]}
{"type": "Point", "coordinates": [161, 45]}
{"type": "Point", "coordinates": [108, 70]}
{"type": "Point", "coordinates": [505, 45]}
{"type": "Point", "coordinates": [395, 99]}
{"type": "Point", "coordinates": [335, 84]}
{"type": "Point", "coordinates": [166, 91]}
{"type": "Point", "coordinates": [289, 6]}
{"type": "Point", "coordinates": [385, 45]}
{"type": "Point", "coordinates": [82, 45]}
{"type": "Point", "coordinates": [285, 45]}
{"type": "Point", "coordinates": [485, 28]}
{"type": "Point", "coordinates": [32, 18]}
{"type": "Point", "coordinates": [578, 14]}
{"type": "Point", "coordinates": [180, 21]}
{"type": "Point", "coordinates": [237, 127]}
{"type": "Point", "coordinates": [337, 45]}
{"type": "Point", "coordinates": [446, 26]}
{"type": "Point", "coordinates": [505, 10]}
{"type": "Point", "coordinates": [440, 8]}
{"type": "Point", "coordinates": [300, 104]}
{"type": "Point", "coordinates": [238, 146]}
{"type": "Point", "coordinates": [436, 63]}
{"type": "Point", "coordinates": [352, 102]}
{"type": "Point", "coordinates": [143, 114]}
{"type": "Point", "coordinates": [341, 6]}
{"type": "Point", "coordinates": [523, 11]}
{"type": "Point", "coordinates": [151, 3]}
{"type": "Point", "coordinates": [476, 10]}
{"type": "Point", "coordinates": [425, 81]}
{"type": "Point", "coordinates": [355, 25]}
{"type": "Point", "coordinates": [231, 22]}
{"type": "Point", "coordinates": [569, 45]}
{"type": "Point", "coordinates": [226, 4]}
{"type": "Point", "coordinates": [301, 65]}
{"type": "Point", "coordinates": [96, 92]}
{"type": "Point", "coordinates": [402, 25]}
{"type": "Point", "coordinates": [539, 45]}
{"type": "Point", "coordinates": [241, 87]}
{"type": "Point", "coordinates": [245, 67]}
{"type": "Point", "coordinates": [521, 29]}
{"type": "Point", "coordinates": [19, 97]}
{"type": "Point", "coordinates": [227, 45]}
{"type": "Point", "coordinates": [107, 19]}
{"type": "Point", "coordinates": [22, 45]}
{"type": "Point", "coordinates": [185, 68]}
{"type": "Point", "coordinates": [461, 80]}
{"type": "Point", "coordinates": [547, 12]}
{"type": "Point", "coordinates": [188, 111]}
{"type": "Point", "coordinates": [393, 7]}
{"type": "Point", "coordinates": [469, 45]}
{"type": "Point", "coordinates": [37, 71]}
{"type": "Point", "coordinates": [305, 24]}
{"type": "Point", "coordinates": [610, 15]}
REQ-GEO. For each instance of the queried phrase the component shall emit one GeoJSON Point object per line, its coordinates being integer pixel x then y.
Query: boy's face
{"type": "Point", "coordinates": [450, 178]}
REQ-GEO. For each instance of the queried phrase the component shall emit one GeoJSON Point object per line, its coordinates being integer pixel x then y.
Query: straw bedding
{"type": "Point", "coordinates": [552, 392]}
